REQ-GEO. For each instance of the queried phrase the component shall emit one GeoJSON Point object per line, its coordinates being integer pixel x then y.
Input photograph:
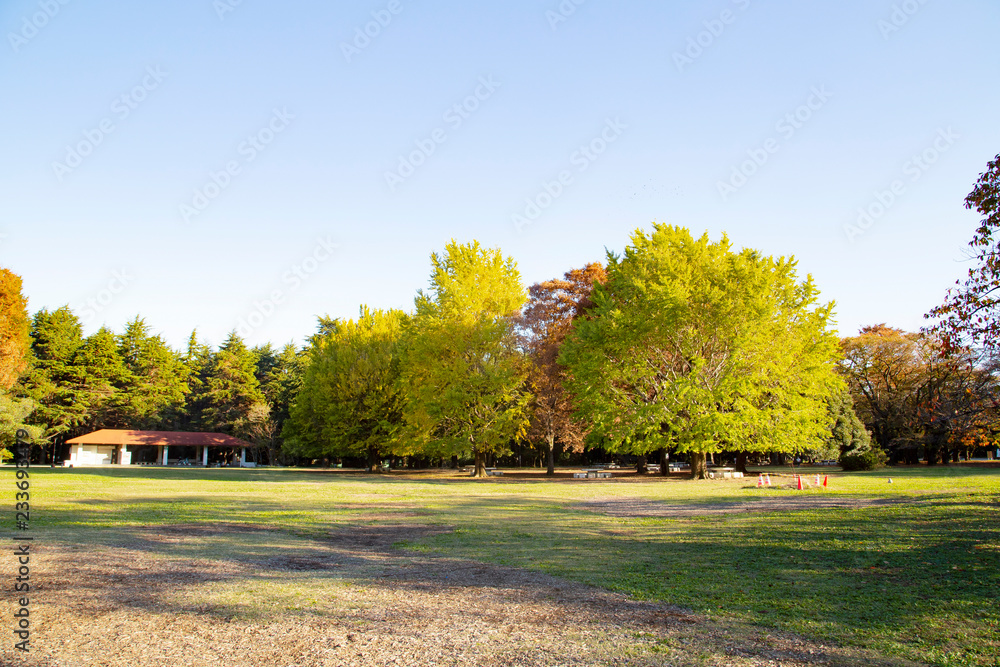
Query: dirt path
{"type": "Point", "coordinates": [376, 606]}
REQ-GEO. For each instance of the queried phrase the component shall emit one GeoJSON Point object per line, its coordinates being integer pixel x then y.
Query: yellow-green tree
{"type": "Point", "coordinates": [464, 378]}
{"type": "Point", "coordinates": [350, 402]}
{"type": "Point", "coordinates": [697, 348]}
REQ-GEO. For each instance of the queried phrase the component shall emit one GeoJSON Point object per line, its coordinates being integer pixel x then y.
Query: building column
{"type": "Point", "coordinates": [243, 456]}
{"type": "Point", "coordinates": [166, 449]}
{"type": "Point", "coordinates": [204, 455]}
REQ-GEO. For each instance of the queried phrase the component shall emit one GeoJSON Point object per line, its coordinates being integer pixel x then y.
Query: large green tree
{"type": "Point", "coordinates": [157, 386]}
{"type": "Point", "coordinates": [52, 381]}
{"type": "Point", "coordinates": [280, 376]}
{"type": "Point", "coordinates": [197, 360]}
{"type": "Point", "coordinates": [697, 348]}
{"type": "Point", "coordinates": [232, 388]}
{"type": "Point", "coordinates": [350, 402]}
{"type": "Point", "coordinates": [464, 377]}
{"type": "Point", "coordinates": [105, 380]}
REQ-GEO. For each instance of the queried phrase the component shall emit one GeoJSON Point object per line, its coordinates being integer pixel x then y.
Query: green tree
{"type": "Point", "coordinates": [232, 388]}
{"type": "Point", "coordinates": [280, 379]}
{"type": "Point", "coordinates": [696, 348]}
{"type": "Point", "coordinates": [106, 381]}
{"type": "Point", "coordinates": [197, 360]}
{"type": "Point", "coordinates": [848, 434]}
{"type": "Point", "coordinates": [464, 378]}
{"type": "Point", "coordinates": [52, 381]}
{"type": "Point", "coordinates": [350, 402]}
{"type": "Point", "coordinates": [158, 383]}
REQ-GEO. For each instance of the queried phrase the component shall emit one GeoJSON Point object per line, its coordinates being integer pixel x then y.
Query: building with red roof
{"type": "Point", "coordinates": [120, 447]}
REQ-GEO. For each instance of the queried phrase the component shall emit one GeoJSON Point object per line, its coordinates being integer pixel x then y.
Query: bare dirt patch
{"type": "Point", "coordinates": [374, 604]}
{"type": "Point", "coordinates": [640, 508]}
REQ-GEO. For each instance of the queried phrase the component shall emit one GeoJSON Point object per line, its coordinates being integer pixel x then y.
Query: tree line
{"type": "Point", "coordinates": [678, 346]}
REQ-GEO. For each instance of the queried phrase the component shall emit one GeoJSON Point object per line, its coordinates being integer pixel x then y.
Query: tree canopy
{"type": "Point", "coordinates": [464, 377]}
{"type": "Point", "coordinates": [14, 329]}
{"type": "Point", "coordinates": [552, 307]}
{"type": "Point", "coordinates": [351, 403]}
{"type": "Point", "coordinates": [694, 347]}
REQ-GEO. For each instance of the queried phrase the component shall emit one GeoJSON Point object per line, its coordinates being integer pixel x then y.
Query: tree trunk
{"type": "Point", "coordinates": [931, 455]}
{"type": "Point", "coordinates": [699, 470]}
{"type": "Point", "coordinates": [373, 460]}
{"type": "Point", "coordinates": [480, 470]}
{"type": "Point", "coordinates": [454, 462]}
{"type": "Point", "coordinates": [550, 461]}
{"type": "Point", "coordinates": [741, 462]}
{"type": "Point", "coordinates": [664, 463]}
{"type": "Point", "coordinates": [640, 467]}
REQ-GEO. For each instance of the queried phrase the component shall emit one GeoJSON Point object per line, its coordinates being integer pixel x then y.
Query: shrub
{"type": "Point", "coordinates": [869, 460]}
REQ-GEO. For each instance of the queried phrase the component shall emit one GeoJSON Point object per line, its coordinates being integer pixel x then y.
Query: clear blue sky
{"type": "Point", "coordinates": [183, 86]}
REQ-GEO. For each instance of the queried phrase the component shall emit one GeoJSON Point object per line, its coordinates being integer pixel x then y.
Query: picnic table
{"type": "Point", "coordinates": [592, 473]}
{"type": "Point", "coordinates": [724, 473]}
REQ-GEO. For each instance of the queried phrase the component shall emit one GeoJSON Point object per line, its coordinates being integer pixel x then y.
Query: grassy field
{"type": "Point", "coordinates": [914, 576]}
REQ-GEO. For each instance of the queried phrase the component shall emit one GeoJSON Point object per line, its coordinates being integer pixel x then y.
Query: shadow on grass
{"type": "Point", "coordinates": [269, 566]}
{"type": "Point", "coordinates": [918, 580]}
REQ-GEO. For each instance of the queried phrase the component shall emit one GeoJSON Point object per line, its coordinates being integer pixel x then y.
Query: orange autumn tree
{"type": "Point", "coordinates": [552, 307]}
{"type": "Point", "coordinates": [14, 342]}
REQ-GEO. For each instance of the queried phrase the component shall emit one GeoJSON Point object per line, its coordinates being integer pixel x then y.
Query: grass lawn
{"type": "Point", "coordinates": [907, 571]}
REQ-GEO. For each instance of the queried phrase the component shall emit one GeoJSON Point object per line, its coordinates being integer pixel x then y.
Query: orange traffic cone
{"type": "Point", "coordinates": [825, 478]}
{"type": "Point", "coordinates": [760, 481]}
{"type": "Point", "coordinates": [799, 479]}
{"type": "Point", "coordinates": [767, 478]}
